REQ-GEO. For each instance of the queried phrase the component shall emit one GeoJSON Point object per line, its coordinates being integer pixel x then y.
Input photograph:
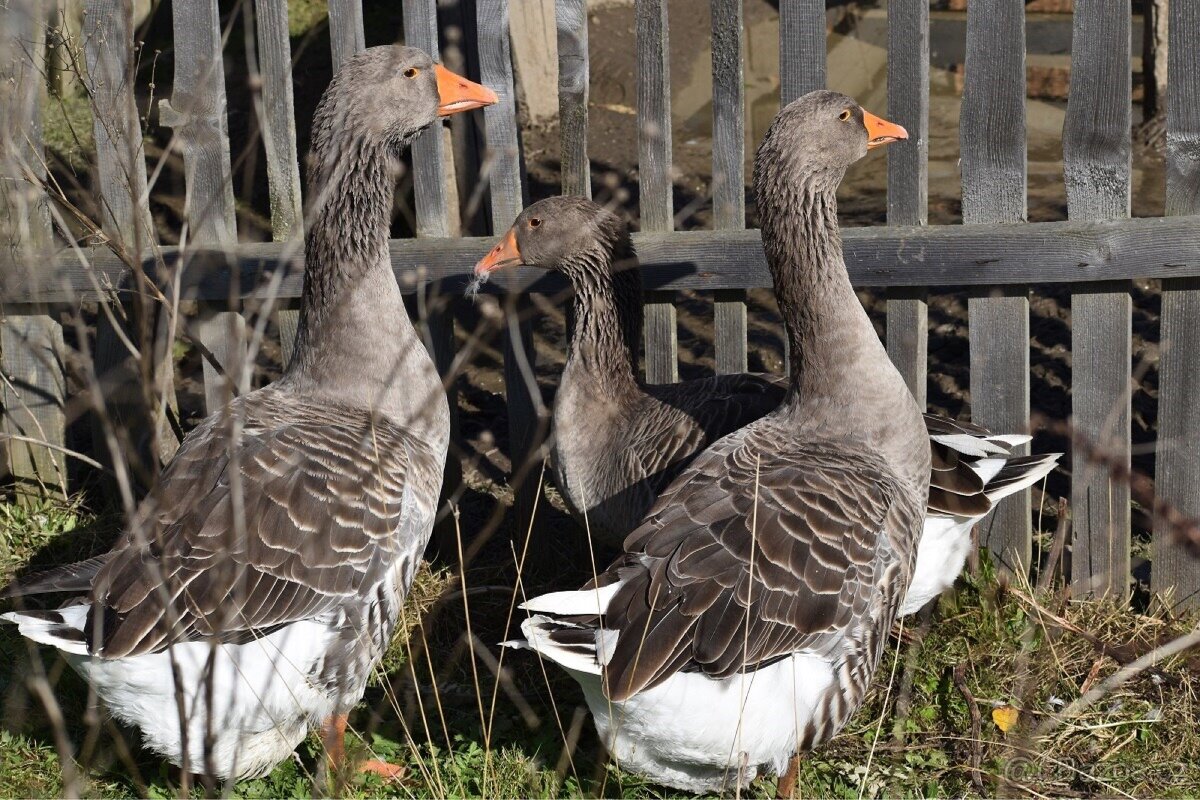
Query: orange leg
{"type": "Point", "coordinates": [334, 734]}
{"type": "Point", "coordinates": [787, 781]}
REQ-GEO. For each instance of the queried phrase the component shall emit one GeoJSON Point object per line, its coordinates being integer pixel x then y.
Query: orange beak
{"type": "Point", "coordinates": [504, 254]}
{"type": "Point", "coordinates": [881, 132]}
{"type": "Point", "coordinates": [456, 93]}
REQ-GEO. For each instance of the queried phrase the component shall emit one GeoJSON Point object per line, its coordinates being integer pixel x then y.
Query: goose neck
{"type": "Point", "coordinates": [608, 317]}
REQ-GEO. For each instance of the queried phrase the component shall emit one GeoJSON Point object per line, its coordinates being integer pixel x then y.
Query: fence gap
{"type": "Point", "coordinates": [1096, 153]}
{"type": "Point", "coordinates": [908, 182]}
{"type": "Point", "coordinates": [992, 137]}
{"type": "Point", "coordinates": [1177, 475]}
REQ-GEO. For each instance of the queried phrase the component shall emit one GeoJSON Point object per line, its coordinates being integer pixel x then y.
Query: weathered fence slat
{"type": "Point", "coordinates": [908, 181]}
{"type": "Point", "coordinates": [573, 74]}
{"type": "Point", "coordinates": [801, 48]}
{"type": "Point", "coordinates": [277, 119]}
{"type": "Point", "coordinates": [729, 172]}
{"type": "Point", "coordinates": [346, 33]}
{"type": "Point", "coordinates": [433, 216]}
{"type": "Point", "coordinates": [1096, 153]}
{"type": "Point", "coordinates": [937, 255]}
{"type": "Point", "coordinates": [656, 198]}
{"type": "Point", "coordinates": [196, 112]}
{"type": "Point", "coordinates": [32, 389]}
{"type": "Point", "coordinates": [992, 137]}
{"type": "Point", "coordinates": [126, 221]}
{"type": "Point", "coordinates": [1177, 477]}
{"type": "Point", "coordinates": [526, 412]}
{"type": "Point", "coordinates": [801, 69]}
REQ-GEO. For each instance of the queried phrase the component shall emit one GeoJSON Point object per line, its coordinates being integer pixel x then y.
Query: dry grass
{"type": "Point", "coordinates": [437, 705]}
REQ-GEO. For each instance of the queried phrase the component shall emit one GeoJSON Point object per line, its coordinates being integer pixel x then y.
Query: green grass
{"type": "Point", "coordinates": [1142, 740]}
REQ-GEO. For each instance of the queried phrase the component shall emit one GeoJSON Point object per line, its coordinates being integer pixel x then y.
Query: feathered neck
{"type": "Point", "coordinates": [608, 316]}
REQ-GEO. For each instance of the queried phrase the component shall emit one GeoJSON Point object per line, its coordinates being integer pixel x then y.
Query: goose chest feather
{"type": "Point", "coordinates": [747, 614]}
{"type": "Point", "coordinates": [262, 579]}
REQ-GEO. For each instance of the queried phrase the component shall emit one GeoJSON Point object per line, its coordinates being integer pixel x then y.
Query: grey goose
{"type": "Point", "coordinates": [619, 442]}
{"type": "Point", "coordinates": [747, 614]}
{"type": "Point", "coordinates": [269, 565]}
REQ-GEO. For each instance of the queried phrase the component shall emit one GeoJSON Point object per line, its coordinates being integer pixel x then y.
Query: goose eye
{"type": "Point", "coordinates": [845, 115]}
{"type": "Point", "coordinates": [412, 72]}
{"type": "Point", "coordinates": [534, 222]}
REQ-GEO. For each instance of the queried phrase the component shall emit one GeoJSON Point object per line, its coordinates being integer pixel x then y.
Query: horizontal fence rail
{"type": "Point", "coordinates": [925, 256]}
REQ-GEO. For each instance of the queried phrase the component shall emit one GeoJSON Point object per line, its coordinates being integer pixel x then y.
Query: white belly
{"type": "Point", "coordinates": [262, 700]}
{"type": "Point", "coordinates": [694, 733]}
{"type": "Point", "coordinates": [941, 553]}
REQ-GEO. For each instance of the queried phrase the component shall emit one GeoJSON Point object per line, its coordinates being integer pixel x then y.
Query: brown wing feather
{"type": "Point", "coordinates": [739, 564]}
{"type": "Point", "coordinates": [323, 494]}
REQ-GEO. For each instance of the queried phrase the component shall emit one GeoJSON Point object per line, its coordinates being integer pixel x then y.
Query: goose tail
{"type": "Point", "coordinates": [61, 628]}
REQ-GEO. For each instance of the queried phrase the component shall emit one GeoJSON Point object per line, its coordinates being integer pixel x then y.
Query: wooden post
{"type": "Point", "coordinates": [534, 47]}
{"type": "Point", "coordinates": [131, 391]}
{"type": "Point", "coordinates": [908, 181]}
{"type": "Point", "coordinates": [1177, 479]}
{"type": "Point", "coordinates": [528, 419]}
{"type": "Point", "coordinates": [992, 137]}
{"type": "Point", "coordinates": [346, 33]}
{"type": "Point", "coordinates": [32, 385]}
{"type": "Point", "coordinates": [1096, 153]}
{"type": "Point", "coordinates": [277, 119]}
{"type": "Point", "coordinates": [435, 219]}
{"type": "Point", "coordinates": [196, 111]}
{"type": "Point", "coordinates": [729, 172]}
{"type": "Point", "coordinates": [573, 73]}
{"type": "Point", "coordinates": [654, 176]}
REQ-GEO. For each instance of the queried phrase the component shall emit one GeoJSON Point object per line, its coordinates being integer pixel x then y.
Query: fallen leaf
{"type": "Point", "coordinates": [1005, 717]}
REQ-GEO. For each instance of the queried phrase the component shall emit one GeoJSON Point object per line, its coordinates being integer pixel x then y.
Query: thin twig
{"type": "Point", "coordinates": [959, 675]}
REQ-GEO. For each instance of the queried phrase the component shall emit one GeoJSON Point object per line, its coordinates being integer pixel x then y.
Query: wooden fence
{"type": "Point", "coordinates": [995, 254]}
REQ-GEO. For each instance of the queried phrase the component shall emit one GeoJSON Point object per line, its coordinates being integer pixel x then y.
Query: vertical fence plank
{"type": "Point", "coordinates": [656, 201]}
{"type": "Point", "coordinates": [1177, 480]}
{"type": "Point", "coordinates": [729, 172]}
{"type": "Point", "coordinates": [434, 219]}
{"type": "Point", "coordinates": [1096, 160]}
{"type": "Point", "coordinates": [527, 416]}
{"type": "Point", "coordinates": [33, 387]}
{"type": "Point", "coordinates": [126, 221]}
{"type": "Point", "coordinates": [196, 112]}
{"type": "Point", "coordinates": [992, 139]}
{"type": "Point", "coordinates": [801, 67]}
{"type": "Point", "coordinates": [346, 33]}
{"type": "Point", "coordinates": [277, 119]}
{"type": "Point", "coordinates": [801, 48]}
{"type": "Point", "coordinates": [573, 73]}
{"type": "Point", "coordinates": [908, 180]}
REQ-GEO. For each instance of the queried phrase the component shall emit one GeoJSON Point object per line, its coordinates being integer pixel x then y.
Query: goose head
{"type": "Point", "coordinates": [566, 234]}
{"type": "Point", "coordinates": [387, 95]}
{"type": "Point", "coordinates": [821, 134]}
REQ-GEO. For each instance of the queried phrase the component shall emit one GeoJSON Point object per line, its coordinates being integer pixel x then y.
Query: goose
{"type": "Point", "coordinates": [746, 616]}
{"type": "Point", "coordinates": [619, 442]}
{"type": "Point", "coordinates": [268, 567]}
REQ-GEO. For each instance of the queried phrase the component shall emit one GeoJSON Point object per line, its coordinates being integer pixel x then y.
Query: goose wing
{"type": "Point", "coordinates": [684, 418]}
{"type": "Point", "coordinates": [298, 519]}
{"type": "Point", "coordinates": [745, 560]}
